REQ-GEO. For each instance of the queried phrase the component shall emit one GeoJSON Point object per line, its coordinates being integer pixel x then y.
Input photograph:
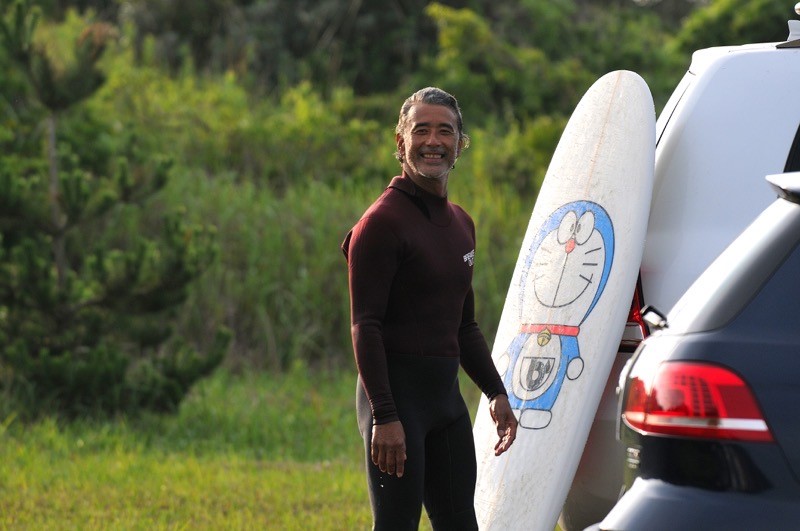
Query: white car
{"type": "Point", "coordinates": [733, 118]}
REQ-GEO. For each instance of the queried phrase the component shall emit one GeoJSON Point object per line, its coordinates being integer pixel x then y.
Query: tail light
{"type": "Point", "coordinates": [635, 329]}
{"type": "Point", "coordinates": [693, 400]}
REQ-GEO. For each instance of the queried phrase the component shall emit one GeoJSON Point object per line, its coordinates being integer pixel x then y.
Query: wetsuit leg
{"type": "Point", "coordinates": [396, 502]}
{"type": "Point", "coordinates": [439, 448]}
{"type": "Point", "coordinates": [450, 475]}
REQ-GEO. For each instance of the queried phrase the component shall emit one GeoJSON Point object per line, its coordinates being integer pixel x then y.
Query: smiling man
{"type": "Point", "coordinates": [411, 258]}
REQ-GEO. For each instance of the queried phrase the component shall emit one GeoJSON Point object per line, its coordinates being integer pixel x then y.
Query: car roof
{"type": "Point", "coordinates": [701, 59]}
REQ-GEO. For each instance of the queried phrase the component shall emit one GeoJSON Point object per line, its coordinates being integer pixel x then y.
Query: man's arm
{"type": "Point", "coordinates": [372, 264]}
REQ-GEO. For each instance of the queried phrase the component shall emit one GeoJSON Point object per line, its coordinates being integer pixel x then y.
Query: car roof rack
{"type": "Point", "coordinates": [787, 185]}
{"type": "Point", "coordinates": [793, 40]}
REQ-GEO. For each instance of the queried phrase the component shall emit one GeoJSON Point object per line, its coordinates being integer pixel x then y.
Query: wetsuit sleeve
{"type": "Point", "coordinates": [372, 252]}
{"type": "Point", "coordinates": [476, 358]}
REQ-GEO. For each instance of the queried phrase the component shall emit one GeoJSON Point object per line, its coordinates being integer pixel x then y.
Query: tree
{"type": "Point", "coordinates": [730, 22]}
{"type": "Point", "coordinates": [495, 78]}
{"type": "Point", "coordinates": [368, 46]}
{"type": "Point", "coordinates": [86, 304]}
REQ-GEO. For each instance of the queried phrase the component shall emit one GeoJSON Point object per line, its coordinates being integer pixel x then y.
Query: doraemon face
{"type": "Point", "coordinates": [569, 261]}
{"type": "Point", "coordinates": [568, 264]}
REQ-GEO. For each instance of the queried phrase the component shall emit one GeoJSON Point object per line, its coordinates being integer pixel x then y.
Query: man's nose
{"type": "Point", "coordinates": [433, 139]}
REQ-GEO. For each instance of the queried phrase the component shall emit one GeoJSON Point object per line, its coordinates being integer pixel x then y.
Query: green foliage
{"type": "Point", "coordinates": [279, 43]}
{"type": "Point", "coordinates": [273, 122]}
{"type": "Point", "coordinates": [192, 118]}
{"type": "Point", "coordinates": [86, 306]}
{"type": "Point", "coordinates": [57, 86]}
{"type": "Point", "coordinates": [495, 78]}
{"type": "Point", "coordinates": [285, 178]}
{"type": "Point", "coordinates": [214, 126]}
{"type": "Point", "coordinates": [629, 38]}
{"type": "Point", "coordinates": [547, 26]}
{"type": "Point", "coordinates": [728, 22]}
{"type": "Point", "coordinates": [304, 150]}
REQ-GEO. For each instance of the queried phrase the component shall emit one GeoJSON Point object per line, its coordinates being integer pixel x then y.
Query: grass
{"type": "Point", "coordinates": [255, 451]}
{"type": "Point", "coordinates": [249, 452]}
{"type": "Point", "coordinates": [127, 489]}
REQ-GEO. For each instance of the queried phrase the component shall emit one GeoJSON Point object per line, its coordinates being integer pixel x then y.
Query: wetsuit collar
{"type": "Point", "coordinates": [434, 207]}
{"type": "Point", "coordinates": [404, 184]}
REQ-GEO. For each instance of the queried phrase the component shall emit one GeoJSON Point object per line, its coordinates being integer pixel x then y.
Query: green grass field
{"type": "Point", "coordinates": [244, 452]}
{"type": "Point", "coordinates": [249, 452]}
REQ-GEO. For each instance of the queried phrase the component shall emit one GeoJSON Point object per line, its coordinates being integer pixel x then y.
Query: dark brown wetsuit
{"type": "Point", "coordinates": [410, 262]}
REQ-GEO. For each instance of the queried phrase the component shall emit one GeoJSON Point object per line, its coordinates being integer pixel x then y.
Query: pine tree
{"type": "Point", "coordinates": [86, 312]}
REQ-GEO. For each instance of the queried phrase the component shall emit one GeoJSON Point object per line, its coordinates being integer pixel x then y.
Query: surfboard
{"type": "Point", "coordinates": [568, 302]}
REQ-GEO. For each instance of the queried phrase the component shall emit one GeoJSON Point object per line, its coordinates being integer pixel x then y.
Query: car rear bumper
{"type": "Point", "coordinates": [655, 505]}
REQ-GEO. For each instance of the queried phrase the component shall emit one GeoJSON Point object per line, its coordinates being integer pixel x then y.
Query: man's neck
{"type": "Point", "coordinates": [437, 186]}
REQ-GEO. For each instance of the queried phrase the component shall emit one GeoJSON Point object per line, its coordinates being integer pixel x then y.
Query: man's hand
{"type": "Point", "coordinates": [389, 447]}
{"type": "Point", "coordinates": [506, 422]}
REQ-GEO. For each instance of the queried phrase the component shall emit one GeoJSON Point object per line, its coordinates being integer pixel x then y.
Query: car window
{"type": "Point", "coordinates": [775, 308]}
{"type": "Point", "coordinates": [793, 161]}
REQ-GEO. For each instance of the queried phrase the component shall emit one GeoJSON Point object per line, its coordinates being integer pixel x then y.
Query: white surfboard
{"type": "Point", "coordinates": [568, 303]}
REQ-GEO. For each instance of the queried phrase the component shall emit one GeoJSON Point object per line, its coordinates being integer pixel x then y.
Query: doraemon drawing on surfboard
{"type": "Point", "coordinates": [568, 302]}
{"type": "Point", "coordinates": [563, 276]}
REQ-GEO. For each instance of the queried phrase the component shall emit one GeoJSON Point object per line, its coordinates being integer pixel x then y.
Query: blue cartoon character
{"type": "Point", "coordinates": [563, 276]}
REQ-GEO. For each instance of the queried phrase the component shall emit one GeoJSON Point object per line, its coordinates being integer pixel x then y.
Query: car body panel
{"type": "Point", "coordinates": [654, 505]}
{"type": "Point", "coordinates": [742, 313]}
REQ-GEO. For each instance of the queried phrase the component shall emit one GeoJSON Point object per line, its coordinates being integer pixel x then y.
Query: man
{"type": "Point", "coordinates": [410, 261]}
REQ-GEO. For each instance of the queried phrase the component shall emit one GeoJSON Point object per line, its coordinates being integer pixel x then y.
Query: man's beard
{"type": "Point", "coordinates": [432, 174]}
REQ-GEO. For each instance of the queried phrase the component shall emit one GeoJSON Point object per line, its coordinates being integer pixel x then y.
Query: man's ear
{"type": "Point", "coordinates": [460, 146]}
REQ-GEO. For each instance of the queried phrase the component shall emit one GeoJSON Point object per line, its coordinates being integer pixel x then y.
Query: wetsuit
{"type": "Point", "coordinates": [410, 261]}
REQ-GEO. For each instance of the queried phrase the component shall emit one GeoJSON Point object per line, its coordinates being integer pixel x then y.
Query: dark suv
{"type": "Point", "coordinates": [708, 404]}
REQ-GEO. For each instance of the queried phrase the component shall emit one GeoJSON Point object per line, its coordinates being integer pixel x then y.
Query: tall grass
{"type": "Point", "coordinates": [296, 417]}
{"type": "Point", "coordinates": [280, 283]}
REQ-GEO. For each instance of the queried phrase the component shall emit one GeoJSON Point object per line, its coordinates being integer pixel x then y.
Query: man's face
{"type": "Point", "coordinates": [430, 142]}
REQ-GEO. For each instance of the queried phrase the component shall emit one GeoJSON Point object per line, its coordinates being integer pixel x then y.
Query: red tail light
{"type": "Point", "coordinates": [694, 400]}
{"type": "Point", "coordinates": [635, 328]}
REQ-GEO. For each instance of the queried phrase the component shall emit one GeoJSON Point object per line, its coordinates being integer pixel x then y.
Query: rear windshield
{"type": "Point", "coordinates": [793, 160]}
{"type": "Point", "coordinates": [773, 311]}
